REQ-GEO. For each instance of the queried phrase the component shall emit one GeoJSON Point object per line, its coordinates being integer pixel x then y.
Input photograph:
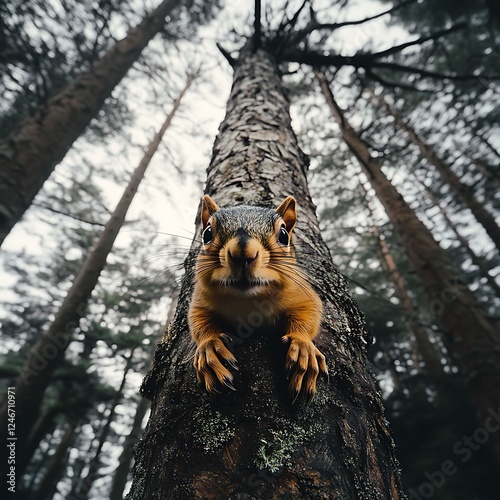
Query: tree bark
{"type": "Point", "coordinates": [463, 192]}
{"type": "Point", "coordinates": [474, 339]}
{"type": "Point", "coordinates": [48, 352]}
{"type": "Point", "coordinates": [254, 443]}
{"type": "Point", "coordinates": [29, 154]}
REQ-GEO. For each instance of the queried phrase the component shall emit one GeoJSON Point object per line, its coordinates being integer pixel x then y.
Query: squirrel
{"type": "Point", "coordinates": [247, 259]}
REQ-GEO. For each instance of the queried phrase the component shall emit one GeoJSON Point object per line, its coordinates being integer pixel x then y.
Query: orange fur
{"type": "Point", "coordinates": [250, 270]}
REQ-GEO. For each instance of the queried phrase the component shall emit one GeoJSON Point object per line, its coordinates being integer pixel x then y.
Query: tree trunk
{"type": "Point", "coordinates": [464, 193]}
{"type": "Point", "coordinates": [54, 466]}
{"type": "Point", "coordinates": [77, 467]}
{"type": "Point", "coordinates": [49, 350]}
{"type": "Point", "coordinates": [62, 469]}
{"type": "Point", "coordinates": [254, 442]}
{"type": "Point", "coordinates": [43, 425]}
{"type": "Point", "coordinates": [32, 479]}
{"type": "Point", "coordinates": [88, 480]}
{"type": "Point", "coordinates": [29, 154]}
{"type": "Point", "coordinates": [474, 338]}
{"type": "Point", "coordinates": [476, 259]}
{"type": "Point", "coordinates": [420, 332]}
{"type": "Point", "coordinates": [423, 347]}
{"type": "Point", "coordinates": [123, 469]}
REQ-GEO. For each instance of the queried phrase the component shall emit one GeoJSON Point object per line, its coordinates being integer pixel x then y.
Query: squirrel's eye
{"type": "Point", "coordinates": [283, 236]}
{"type": "Point", "coordinates": [207, 235]}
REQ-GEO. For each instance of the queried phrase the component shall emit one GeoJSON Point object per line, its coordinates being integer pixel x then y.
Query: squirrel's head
{"type": "Point", "coordinates": [246, 250]}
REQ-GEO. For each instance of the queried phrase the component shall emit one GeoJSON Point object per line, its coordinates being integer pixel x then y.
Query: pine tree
{"type": "Point", "coordinates": [237, 444]}
{"type": "Point", "coordinates": [455, 306]}
{"type": "Point", "coordinates": [32, 150]}
{"type": "Point", "coordinates": [48, 352]}
{"type": "Point", "coordinates": [462, 191]}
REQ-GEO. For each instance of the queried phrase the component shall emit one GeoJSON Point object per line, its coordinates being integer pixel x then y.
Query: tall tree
{"type": "Point", "coordinates": [475, 259]}
{"type": "Point", "coordinates": [88, 480]}
{"type": "Point", "coordinates": [254, 441]}
{"type": "Point", "coordinates": [54, 468]}
{"type": "Point", "coordinates": [462, 191]}
{"type": "Point", "coordinates": [44, 45]}
{"type": "Point", "coordinates": [48, 352]}
{"type": "Point", "coordinates": [453, 303]}
{"type": "Point", "coordinates": [122, 471]}
{"type": "Point", "coordinates": [30, 153]}
{"type": "Point", "coordinates": [420, 331]}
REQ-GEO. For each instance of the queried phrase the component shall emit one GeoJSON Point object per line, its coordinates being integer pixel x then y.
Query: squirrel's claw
{"type": "Point", "coordinates": [208, 365]}
{"type": "Point", "coordinates": [323, 367]}
{"type": "Point", "coordinates": [305, 362]}
{"type": "Point", "coordinates": [228, 383]}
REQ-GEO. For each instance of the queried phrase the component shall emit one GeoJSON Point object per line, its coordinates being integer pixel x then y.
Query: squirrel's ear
{"type": "Point", "coordinates": [286, 210]}
{"type": "Point", "coordinates": [208, 207]}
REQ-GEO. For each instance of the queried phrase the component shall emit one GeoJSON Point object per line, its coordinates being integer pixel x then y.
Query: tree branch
{"type": "Point", "coordinates": [386, 83]}
{"type": "Point", "coordinates": [257, 33]}
{"type": "Point", "coordinates": [419, 41]}
{"type": "Point", "coordinates": [429, 74]}
{"type": "Point", "coordinates": [229, 58]}
{"type": "Point", "coordinates": [367, 62]}
{"type": "Point", "coordinates": [66, 214]}
{"type": "Point", "coordinates": [315, 26]}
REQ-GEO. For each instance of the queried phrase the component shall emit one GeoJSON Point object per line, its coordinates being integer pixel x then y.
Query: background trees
{"type": "Point", "coordinates": [454, 110]}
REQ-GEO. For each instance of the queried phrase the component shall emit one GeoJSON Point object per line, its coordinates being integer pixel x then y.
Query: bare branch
{"type": "Point", "coordinates": [368, 62]}
{"type": "Point", "coordinates": [386, 83]}
{"type": "Point", "coordinates": [419, 41]}
{"type": "Point", "coordinates": [315, 26]}
{"type": "Point", "coordinates": [429, 74]}
{"type": "Point", "coordinates": [295, 17]}
{"type": "Point", "coordinates": [257, 34]}
{"type": "Point", "coordinates": [229, 58]}
{"type": "Point", "coordinates": [284, 20]}
{"type": "Point", "coordinates": [66, 214]}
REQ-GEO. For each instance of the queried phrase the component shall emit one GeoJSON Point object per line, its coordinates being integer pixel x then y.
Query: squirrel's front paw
{"type": "Point", "coordinates": [208, 364]}
{"type": "Point", "coordinates": [304, 361]}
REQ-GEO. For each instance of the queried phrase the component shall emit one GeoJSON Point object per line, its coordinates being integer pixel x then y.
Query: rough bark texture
{"type": "Point", "coordinates": [462, 191]}
{"type": "Point", "coordinates": [254, 443]}
{"type": "Point", "coordinates": [474, 339]}
{"type": "Point", "coordinates": [30, 153]}
{"type": "Point", "coordinates": [48, 352]}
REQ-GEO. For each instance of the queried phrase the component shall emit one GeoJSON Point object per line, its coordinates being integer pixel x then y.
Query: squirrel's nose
{"type": "Point", "coordinates": [242, 261]}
